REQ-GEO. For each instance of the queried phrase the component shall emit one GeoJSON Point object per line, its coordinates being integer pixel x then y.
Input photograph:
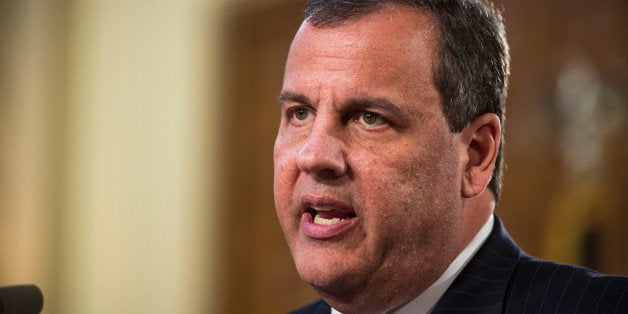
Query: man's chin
{"type": "Point", "coordinates": [348, 293]}
{"type": "Point", "coordinates": [332, 266]}
{"type": "Point", "coordinates": [336, 281]}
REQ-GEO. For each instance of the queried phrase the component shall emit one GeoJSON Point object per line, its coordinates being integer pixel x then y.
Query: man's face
{"type": "Point", "coordinates": [367, 174]}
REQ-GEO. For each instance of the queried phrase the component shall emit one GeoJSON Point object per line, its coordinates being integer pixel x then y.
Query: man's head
{"type": "Point", "coordinates": [384, 152]}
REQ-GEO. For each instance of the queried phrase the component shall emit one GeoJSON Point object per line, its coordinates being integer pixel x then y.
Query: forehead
{"type": "Point", "coordinates": [386, 43]}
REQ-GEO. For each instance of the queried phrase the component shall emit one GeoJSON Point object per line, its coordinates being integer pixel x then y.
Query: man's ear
{"type": "Point", "coordinates": [481, 139]}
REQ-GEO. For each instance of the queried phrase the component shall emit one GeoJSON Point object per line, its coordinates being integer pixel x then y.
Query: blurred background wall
{"type": "Point", "coordinates": [136, 148]}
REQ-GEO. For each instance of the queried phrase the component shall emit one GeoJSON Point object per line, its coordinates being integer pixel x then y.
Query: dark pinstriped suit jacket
{"type": "Point", "coordinates": [501, 278]}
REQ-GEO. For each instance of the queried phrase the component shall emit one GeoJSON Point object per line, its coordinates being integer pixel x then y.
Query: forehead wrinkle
{"type": "Point", "coordinates": [325, 47]}
{"type": "Point", "coordinates": [334, 56]}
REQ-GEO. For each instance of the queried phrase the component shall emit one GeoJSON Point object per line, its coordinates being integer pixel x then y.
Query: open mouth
{"type": "Point", "coordinates": [327, 215]}
{"type": "Point", "coordinates": [326, 218]}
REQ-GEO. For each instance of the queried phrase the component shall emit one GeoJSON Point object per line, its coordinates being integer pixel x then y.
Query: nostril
{"type": "Point", "coordinates": [328, 174]}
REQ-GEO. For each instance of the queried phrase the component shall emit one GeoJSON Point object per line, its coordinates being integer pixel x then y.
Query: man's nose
{"type": "Point", "coordinates": [322, 155]}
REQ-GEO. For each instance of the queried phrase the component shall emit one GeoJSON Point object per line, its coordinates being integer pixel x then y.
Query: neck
{"type": "Point", "coordinates": [475, 212]}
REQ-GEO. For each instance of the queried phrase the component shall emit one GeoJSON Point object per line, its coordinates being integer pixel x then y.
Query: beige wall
{"type": "Point", "coordinates": [107, 127]}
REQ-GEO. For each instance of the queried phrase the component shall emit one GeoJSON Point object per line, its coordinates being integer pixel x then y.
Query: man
{"type": "Point", "coordinates": [387, 166]}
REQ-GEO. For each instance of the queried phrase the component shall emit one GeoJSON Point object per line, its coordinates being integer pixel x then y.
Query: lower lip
{"type": "Point", "coordinates": [324, 232]}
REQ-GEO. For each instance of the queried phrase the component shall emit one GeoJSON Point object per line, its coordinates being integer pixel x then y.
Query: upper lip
{"type": "Point", "coordinates": [317, 202]}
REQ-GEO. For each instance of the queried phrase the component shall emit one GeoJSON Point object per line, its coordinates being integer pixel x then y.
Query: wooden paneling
{"type": "Point", "coordinates": [259, 274]}
{"type": "Point", "coordinates": [552, 211]}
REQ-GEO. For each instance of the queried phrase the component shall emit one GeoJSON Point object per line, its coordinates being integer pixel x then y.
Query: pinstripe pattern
{"type": "Point", "coordinates": [501, 278]}
{"type": "Point", "coordinates": [529, 285]}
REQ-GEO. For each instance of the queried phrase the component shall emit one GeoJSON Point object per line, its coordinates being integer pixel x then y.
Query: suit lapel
{"type": "Point", "coordinates": [482, 284]}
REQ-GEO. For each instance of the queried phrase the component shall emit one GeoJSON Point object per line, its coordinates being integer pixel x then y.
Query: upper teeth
{"type": "Point", "coordinates": [322, 208]}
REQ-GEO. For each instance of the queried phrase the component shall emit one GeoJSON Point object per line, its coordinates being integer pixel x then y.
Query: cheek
{"type": "Point", "coordinates": [283, 159]}
{"type": "Point", "coordinates": [287, 146]}
{"type": "Point", "coordinates": [285, 174]}
{"type": "Point", "coordinates": [404, 185]}
{"type": "Point", "coordinates": [393, 172]}
{"type": "Point", "coordinates": [389, 188]}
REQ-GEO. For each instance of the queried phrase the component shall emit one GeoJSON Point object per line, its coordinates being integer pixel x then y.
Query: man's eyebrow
{"type": "Point", "coordinates": [292, 97]}
{"type": "Point", "coordinates": [377, 103]}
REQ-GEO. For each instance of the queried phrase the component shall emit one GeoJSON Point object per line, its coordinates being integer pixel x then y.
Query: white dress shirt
{"type": "Point", "coordinates": [426, 301]}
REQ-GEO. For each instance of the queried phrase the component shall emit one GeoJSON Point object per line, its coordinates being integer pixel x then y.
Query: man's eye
{"type": "Point", "coordinates": [371, 119]}
{"type": "Point", "coordinates": [301, 113]}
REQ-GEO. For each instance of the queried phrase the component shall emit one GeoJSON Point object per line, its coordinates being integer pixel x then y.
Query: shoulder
{"type": "Point", "coordinates": [533, 285]}
{"type": "Point", "coordinates": [318, 307]}
{"type": "Point", "coordinates": [543, 286]}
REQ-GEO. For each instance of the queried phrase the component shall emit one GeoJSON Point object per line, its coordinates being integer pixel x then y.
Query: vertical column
{"type": "Point", "coordinates": [137, 233]}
